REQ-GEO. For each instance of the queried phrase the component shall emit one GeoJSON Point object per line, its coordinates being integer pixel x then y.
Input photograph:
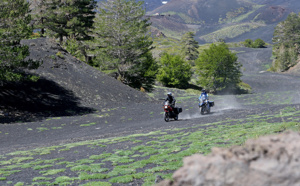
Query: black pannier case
{"type": "Point", "coordinates": [177, 110]}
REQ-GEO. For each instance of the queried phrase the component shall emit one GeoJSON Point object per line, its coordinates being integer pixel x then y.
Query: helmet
{"type": "Point", "coordinates": [169, 94]}
{"type": "Point", "coordinates": [203, 90]}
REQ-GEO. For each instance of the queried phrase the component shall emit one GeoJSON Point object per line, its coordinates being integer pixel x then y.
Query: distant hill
{"type": "Point", "coordinates": [232, 20]}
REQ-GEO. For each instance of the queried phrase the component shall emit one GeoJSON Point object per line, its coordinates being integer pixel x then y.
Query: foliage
{"type": "Point", "coordinates": [121, 35]}
{"type": "Point", "coordinates": [248, 43]}
{"type": "Point", "coordinates": [285, 57]}
{"type": "Point", "coordinates": [230, 31]}
{"type": "Point", "coordinates": [14, 21]}
{"type": "Point", "coordinates": [189, 46]}
{"type": "Point", "coordinates": [76, 48]}
{"type": "Point", "coordinates": [70, 19]}
{"type": "Point", "coordinates": [258, 43]}
{"type": "Point", "coordinates": [218, 68]}
{"type": "Point", "coordinates": [143, 75]}
{"type": "Point", "coordinates": [174, 72]}
{"type": "Point", "coordinates": [287, 41]}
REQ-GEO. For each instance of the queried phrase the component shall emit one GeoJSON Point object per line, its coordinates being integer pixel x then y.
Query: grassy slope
{"type": "Point", "coordinates": [230, 31]}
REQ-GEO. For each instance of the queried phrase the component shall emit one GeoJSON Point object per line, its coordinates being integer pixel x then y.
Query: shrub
{"type": "Point", "coordinates": [259, 43]}
{"type": "Point", "coordinates": [248, 43]}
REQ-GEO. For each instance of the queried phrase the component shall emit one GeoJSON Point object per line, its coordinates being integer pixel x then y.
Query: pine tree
{"type": "Point", "coordinates": [189, 46]}
{"type": "Point", "coordinates": [121, 34]}
{"type": "Point", "coordinates": [218, 68]}
{"type": "Point", "coordinates": [14, 26]}
{"type": "Point", "coordinates": [69, 18]}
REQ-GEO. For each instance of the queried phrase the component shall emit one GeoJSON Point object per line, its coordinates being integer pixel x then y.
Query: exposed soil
{"type": "Point", "coordinates": [71, 94]}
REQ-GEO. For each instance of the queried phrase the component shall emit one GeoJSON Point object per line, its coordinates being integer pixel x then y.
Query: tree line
{"type": "Point", "coordinates": [116, 36]}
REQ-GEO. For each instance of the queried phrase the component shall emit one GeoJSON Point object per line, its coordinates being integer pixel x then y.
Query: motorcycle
{"type": "Point", "coordinates": [205, 106]}
{"type": "Point", "coordinates": [170, 112]}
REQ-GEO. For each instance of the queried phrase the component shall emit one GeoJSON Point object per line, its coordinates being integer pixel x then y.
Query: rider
{"type": "Point", "coordinates": [171, 99]}
{"type": "Point", "coordinates": [203, 95]}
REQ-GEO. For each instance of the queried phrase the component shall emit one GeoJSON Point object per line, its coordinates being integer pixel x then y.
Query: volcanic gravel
{"type": "Point", "coordinates": [78, 94]}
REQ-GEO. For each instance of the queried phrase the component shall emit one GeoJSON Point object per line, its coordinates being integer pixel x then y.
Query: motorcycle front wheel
{"type": "Point", "coordinates": [166, 117]}
{"type": "Point", "coordinates": [208, 110]}
{"type": "Point", "coordinates": [202, 110]}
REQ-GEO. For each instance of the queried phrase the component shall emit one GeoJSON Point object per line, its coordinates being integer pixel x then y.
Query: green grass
{"type": "Point", "coordinates": [41, 129]}
{"type": "Point", "coordinates": [88, 124]}
{"type": "Point", "coordinates": [52, 171]}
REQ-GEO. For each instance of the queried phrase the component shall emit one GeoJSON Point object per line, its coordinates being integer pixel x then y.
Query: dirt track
{"type": "Point", "coordinates": [123, 116]}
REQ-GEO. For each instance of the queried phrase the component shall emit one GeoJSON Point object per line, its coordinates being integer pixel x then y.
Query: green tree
{"type": "Point", "coordinates": [189, 46]}
{"type": "Point", "coordinates": [143, 75]}
{"type": "Point", "coordinates": [218, 68]}
{"type": "Point", "coordinates": [259, 43]}
{"type": "Point", "coordinates": [14, 21]}
{"type": "Point", "coordinates": [121, 35]}
{"type": "Point", "coordinates": [286, 43]}
{"type": "Point", "coordinates": [68, 18]}
{"type": "Point", "coordinates": [174, 71]}
{"type": "Point", "coordinates": [248, 43]}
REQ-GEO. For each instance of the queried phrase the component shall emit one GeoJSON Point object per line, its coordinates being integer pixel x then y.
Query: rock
{"type": "Point", "coordinates": [158, 179]}
{"type": "Point", "coordinates": [270, 160]}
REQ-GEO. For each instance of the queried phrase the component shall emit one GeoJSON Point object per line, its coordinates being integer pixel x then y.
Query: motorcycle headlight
{"type": "Point", "coordinates": [166, 106]}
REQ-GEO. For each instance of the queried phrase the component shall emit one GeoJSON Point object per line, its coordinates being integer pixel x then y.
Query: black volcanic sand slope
{"type": "Point", "coordinates": [66, 86]}
{"type": "Point", "coordinates": [90, 85]}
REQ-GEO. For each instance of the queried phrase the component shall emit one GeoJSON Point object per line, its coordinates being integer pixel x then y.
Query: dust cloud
{"type": "Point", "coordinates": [226, 102]}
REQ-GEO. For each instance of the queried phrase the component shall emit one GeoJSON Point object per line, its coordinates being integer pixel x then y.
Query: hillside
{"type": "Point", "coordinates": [66, 86]}
{"type": "Point", "coordinates": [124, 143]}
{"type": "Point", "coordinates": [232, 20]}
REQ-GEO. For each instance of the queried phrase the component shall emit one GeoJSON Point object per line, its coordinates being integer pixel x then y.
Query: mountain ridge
{"type": "Point", "coordinates": [207, 16]}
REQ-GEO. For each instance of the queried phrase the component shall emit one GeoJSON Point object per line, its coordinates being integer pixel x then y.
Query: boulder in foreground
{"type": "Point", "coordinates": [270, 160]}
